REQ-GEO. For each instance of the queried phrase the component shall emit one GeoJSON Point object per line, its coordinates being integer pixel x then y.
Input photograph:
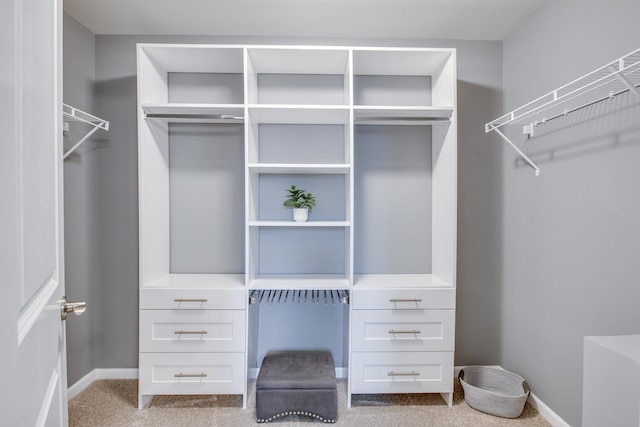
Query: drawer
{"type": "Point", "coordinates": [413, 372]}
{"type": "Point", "coordinates": [403, 299]}
{"type": "Point", "coordinates": [192, 299]}
{"type": "Point", "coordinates": [192, 373]}
{"type": "Point", "coordinates": [192, 330]}
{"type": "Point", "coordinates": [402, 330]}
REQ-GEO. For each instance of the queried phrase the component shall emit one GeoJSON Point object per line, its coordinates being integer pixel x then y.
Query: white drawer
{"type": "Point", "coordinates": [403, 299]}
{"type": "Point", "coordinates": [412, 372]}
{"type": "Point", "coordinates": [192, 299]}
{"type": "Point", "coordinates": [192, 330]}
{"type": "Point", "coordinates": [192, 373]}
{"type": "Point", "coordinates": [403, 330]}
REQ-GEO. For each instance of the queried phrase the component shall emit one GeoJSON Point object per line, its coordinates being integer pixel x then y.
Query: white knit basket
{"type": "Point", "coordinates": [494, 391]}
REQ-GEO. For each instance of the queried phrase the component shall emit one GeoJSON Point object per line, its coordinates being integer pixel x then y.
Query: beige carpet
{"type": "Point", "coordinates": [113, 403]}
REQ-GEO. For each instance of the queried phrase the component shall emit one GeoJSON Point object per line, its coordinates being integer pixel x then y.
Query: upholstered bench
{"type": "Point", "coordinates": [297, 383]}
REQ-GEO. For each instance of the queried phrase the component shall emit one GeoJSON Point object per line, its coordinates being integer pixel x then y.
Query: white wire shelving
{"type": "Point", "coordinates": [73, 114]}
{"type": "Point", "coordinates": [610, 80]}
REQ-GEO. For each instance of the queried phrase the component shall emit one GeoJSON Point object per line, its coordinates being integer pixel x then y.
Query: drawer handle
{"type": "Point", "coordinates": [191, 332]}
{"type": "Point", "coordinates": [191, 300]}
{"type": "Point", "coordinates": [403, 374]}
{"type": "Point", "coordinates": [181, 375]}
{"type": "Point", "coordinates": [404, 332]}
{"type": "Point", "coordinates": [405, 300]}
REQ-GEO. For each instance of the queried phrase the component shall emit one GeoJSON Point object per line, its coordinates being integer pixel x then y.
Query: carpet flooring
{"type": "Point", "coordinates": [111, 403]}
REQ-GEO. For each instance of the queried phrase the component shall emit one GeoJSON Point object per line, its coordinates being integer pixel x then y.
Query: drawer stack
{"type": "Point", "coordinates": [402, 340]}
{"type": "Point", "coordinates": [192, 341]}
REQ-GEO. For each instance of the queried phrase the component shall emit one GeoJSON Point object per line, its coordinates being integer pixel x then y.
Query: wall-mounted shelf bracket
{"type": "Point", "coordinates": [73, 114]}
{"type": "Point", "coordinates": [608, 81]}
{"type": "Point", "coordinates": [519, 151]}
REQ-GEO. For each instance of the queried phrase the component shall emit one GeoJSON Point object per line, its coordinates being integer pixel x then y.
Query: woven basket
{"type": "Point", "coordinates": [494, 391]}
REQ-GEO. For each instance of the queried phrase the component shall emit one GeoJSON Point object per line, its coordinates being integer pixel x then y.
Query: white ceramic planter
{"type": "Point", "coordinates": [300, 214]}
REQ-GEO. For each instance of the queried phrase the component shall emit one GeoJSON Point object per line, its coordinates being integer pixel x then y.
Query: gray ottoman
{"type": "Point", "coordinates": [296, 383]}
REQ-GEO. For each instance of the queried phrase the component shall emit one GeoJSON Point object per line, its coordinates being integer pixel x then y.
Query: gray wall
{"type": "Point", "coordinates": [79, 196]}
{"type": "Point", "coordinates": [571, 237]}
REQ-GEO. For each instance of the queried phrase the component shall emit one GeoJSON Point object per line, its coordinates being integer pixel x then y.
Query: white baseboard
{"type": "Point", "coordinates": [100, 374]}
{"type": "Point", "coordinates": [546, 412]}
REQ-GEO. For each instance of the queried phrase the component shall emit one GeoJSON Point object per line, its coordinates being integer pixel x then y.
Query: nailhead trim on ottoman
{"type": "Point", "coordinates": [297, 383]}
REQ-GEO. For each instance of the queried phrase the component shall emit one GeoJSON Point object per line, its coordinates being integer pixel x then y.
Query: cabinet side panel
{"type": "Point", "coordinates": [154, 200]}
{"type": "Point", "coordinates": [444, 202]}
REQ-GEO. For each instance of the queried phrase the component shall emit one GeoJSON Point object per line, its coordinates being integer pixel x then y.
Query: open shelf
{"type": "Point", "coordinates": [299, 281]}
{"type": "Point", "coordinates": [186, 281]}
{"type": "Point", "coordinates": [309, 223]}
{"type": "Point", "coordinates": [400, 281]}
{"type": "Point", "coordinates": [275, 168]}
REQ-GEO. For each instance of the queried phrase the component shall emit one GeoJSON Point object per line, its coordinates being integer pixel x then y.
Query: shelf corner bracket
{"type": "Point", "coordinates": [520, 153]}
{"type": "Point", "coordinates": [78, 115]}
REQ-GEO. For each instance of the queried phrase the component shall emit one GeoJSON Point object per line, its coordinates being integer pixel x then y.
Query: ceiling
{"type": "Point", "coordinates": [434, 19]}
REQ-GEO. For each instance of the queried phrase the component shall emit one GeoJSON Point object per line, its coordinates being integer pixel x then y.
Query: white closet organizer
{"type": "Point", "coordinates": [224, 130]}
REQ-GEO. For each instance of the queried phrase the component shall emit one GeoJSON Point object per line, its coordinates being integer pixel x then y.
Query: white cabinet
{"type": "Point", "coordinates": [611, 390]}
{"type": "Point", "coordinates": [223, 131]}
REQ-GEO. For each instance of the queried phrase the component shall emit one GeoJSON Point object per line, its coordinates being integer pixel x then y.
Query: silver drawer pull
{"type": "Point", "coordinates": [406, 300]}
{"type": "Point", "coordinates": [404, 332]}
{"type": "Point", "coordinates": [191, 300]}
{"type": "Point", "coordinates": [190, 332]}
{"type": "Point", "coordinates": [181, 375]}
{"type": "Point", "coordinates": [403, 374]}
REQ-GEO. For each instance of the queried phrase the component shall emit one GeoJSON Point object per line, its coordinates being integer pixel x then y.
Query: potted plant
{"type": "Point", "coordinates": [301, 201]}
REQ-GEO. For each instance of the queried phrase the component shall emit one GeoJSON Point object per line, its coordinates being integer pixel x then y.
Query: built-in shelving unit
{"type": "Point", "coordinates": [224, 130]}
{"type": "Point", "coordinates": [612, 79]}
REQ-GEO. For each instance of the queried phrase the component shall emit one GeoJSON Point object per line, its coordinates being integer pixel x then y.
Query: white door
{"type": "Point", "coordinates": [32, 358]}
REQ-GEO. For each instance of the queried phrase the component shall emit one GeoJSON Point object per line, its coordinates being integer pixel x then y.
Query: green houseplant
{"type": "Point", "coordinates": [301, 201]}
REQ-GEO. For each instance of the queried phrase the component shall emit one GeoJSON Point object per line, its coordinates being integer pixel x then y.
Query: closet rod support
{"type": "Point", "coordinates": [524, 156]}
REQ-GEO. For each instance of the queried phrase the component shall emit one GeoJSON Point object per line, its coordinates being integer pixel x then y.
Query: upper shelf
{"type": "Point", "coordinates": [611, 79]}
{"type": "Point", "coordinates": [608, 81]}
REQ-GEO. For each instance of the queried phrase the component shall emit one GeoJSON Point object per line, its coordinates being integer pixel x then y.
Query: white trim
{"type": "Point", "coordinates": [545, 412]}
{"type": "Point", "coordinates": [100, 374]}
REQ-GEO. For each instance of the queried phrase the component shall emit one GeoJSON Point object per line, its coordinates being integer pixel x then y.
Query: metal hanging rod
{"type": "Point", "coordinates": [299, 296]}
{"type": "Point", "coordinates": [193, 116]}
{"type": "Point", "coordinates": [74, 114]}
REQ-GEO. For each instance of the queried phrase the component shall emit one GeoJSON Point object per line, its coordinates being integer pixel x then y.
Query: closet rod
{"type": "Point", "coordinates": [193, 116]}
